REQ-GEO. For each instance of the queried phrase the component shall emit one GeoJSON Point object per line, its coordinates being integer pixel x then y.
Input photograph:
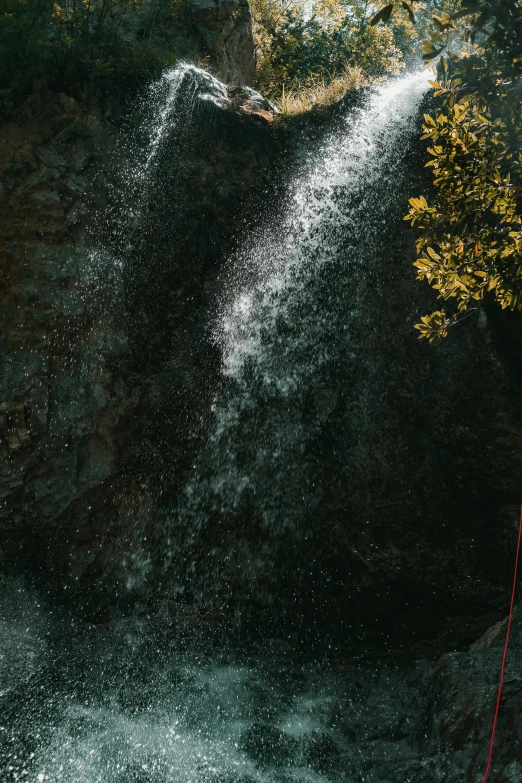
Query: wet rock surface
{"type": "Point", "coordinates": [61, 371]}
{"type": "Point", "coordinates": [459, 707]}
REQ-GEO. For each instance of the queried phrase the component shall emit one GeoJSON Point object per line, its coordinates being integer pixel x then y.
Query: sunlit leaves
{"type": "Point", "coordinates": [471, 239]}
{"type": "Point", "coordinates": [429, 51]}
{"type": "Point", "coordinates": [470, 242]}
{"type": "Point", "coordinates": [302, 44]}
{"type": "Point", "coordinates": [434, 326]}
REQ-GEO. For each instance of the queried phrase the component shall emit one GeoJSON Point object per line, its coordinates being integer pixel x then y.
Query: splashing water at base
{"type": "Point", "coordinates": [123, 703]}
{"type": "Point", "coordinates": [22, 635]}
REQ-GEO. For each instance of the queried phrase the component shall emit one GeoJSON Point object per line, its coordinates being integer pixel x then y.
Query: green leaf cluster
{"type": "Point", "coordinates": [82, 45]}
{"type": "Point", "coordinates": [470, 245]}
{"type": "Point", "coordinates": [300, 42]}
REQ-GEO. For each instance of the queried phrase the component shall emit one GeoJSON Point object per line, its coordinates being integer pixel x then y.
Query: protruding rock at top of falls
{"type": "Point", "coordinates": [239, 99]}
{"type": "Point", "coordinates": [225, 27]}
{"type": "Point", "coordinates": [248, 101]}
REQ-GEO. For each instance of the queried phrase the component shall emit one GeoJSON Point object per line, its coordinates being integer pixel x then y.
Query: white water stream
{"type": "Point", "coordinates": [353, 173]}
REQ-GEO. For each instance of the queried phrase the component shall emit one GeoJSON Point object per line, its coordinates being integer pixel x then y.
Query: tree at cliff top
{"type": "Point", "coordinates": [299, 42]}
{"type": "Point", "coordinates": [83, 45]}
{"type": "Point", "coordinates": [470, 245]}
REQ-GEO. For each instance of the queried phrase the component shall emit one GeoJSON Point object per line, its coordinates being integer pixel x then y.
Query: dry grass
{"type": "Point", "coordinates": [321, 92]}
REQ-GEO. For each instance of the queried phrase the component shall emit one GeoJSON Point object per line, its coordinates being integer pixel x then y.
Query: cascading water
{"type": "Point", "coordinates": [134, 702]}
{"type": "Point", "coordinates": [163, 109]}
{"type": "Point", "coordinates": [294, 309]}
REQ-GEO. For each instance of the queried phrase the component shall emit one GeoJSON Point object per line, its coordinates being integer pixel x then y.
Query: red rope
{"type": "Point", "coordinates": [506, 643]}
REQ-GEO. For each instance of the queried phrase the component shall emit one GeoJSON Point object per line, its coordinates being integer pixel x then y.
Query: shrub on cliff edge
{"type": "Point", "coordinates": [83, 45]}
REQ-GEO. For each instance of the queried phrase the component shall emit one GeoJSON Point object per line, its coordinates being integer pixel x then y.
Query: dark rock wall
{"type": "Point", "coordinates": [215, 33]}
{"type": "Point", "coordinates": [61, 394]}
{"type": "Point", "coordinates": [102, 375]}
{"type": "Point", "coordinates": [459, 704]}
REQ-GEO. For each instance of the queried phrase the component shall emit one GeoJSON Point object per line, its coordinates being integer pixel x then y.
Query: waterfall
{"type": "Point", "coordinates": [290, 327]}
{"type": "Point", "coordinates": [132, 700]}
{"type": "Point", "coordinates": [165, 104]}
{"type": "Point", "coordinates": [355, 171]}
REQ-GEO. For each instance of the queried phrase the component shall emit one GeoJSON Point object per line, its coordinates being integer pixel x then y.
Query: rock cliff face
{"type": "Point", "coordinates": [61, 400]}
{"type": "Point", "coordinates": [460, 695]}
{"type": "Point", "coordinates": [224, 29]}
{"type": "Point", "coordinates": [215, 32]}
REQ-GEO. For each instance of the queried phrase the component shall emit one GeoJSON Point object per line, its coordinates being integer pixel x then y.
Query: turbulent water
{"type": "Point", "coordinates": [144, 700]}
{"type": "Point", "coordinates": [130, 703]}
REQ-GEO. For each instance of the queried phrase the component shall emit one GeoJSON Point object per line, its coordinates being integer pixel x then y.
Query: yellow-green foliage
{"type": "Point", "coordinates": [471, 240]}
{"type": "Point", "coordinates": [305, 46]}
{"type": "Point", "coordinates": [471, 235]}
{"type": "Point", "coordinates": [320, 92]}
